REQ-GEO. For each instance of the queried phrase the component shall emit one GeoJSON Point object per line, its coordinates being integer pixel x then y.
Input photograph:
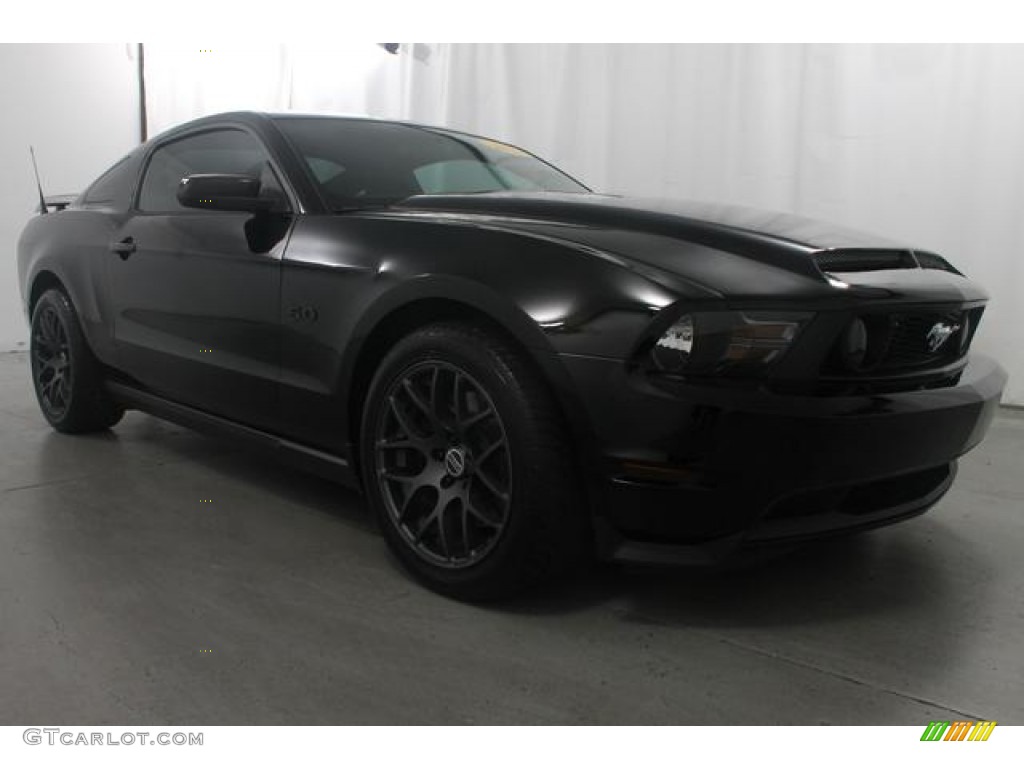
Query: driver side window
{"type": "Point", "coordinates": [217, 151]}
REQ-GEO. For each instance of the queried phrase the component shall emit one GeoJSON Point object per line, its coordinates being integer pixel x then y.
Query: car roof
{"type": "Point", "coordinates": [252, 117]}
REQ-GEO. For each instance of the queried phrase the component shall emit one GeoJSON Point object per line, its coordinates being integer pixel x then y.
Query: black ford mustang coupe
{"type": "Point", "coordinates": [517, 371]}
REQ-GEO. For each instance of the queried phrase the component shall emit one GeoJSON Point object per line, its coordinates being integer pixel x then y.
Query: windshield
{"type": "Point", "coordinates": [359, 163]}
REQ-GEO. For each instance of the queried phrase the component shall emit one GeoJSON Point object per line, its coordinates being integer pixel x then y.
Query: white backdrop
{"type": "Point", "coordinates": [78, 104]}
{"type": "Point", "coordinates": [923, 143]}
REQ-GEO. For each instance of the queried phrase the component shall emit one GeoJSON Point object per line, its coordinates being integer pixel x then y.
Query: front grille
{"type": "Point", "coordinates": [911, 339]}
{"type": "Point", "coordinates": [877, 344]}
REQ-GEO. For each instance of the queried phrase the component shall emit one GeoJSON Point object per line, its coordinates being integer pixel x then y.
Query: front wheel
{"type": "Point", "coordinates": [467, 465]}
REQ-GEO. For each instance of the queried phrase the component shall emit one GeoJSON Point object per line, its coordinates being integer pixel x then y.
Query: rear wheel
{"type": "Point", "coordinates": [467, 465]}
{"type": "Point", "coordinates": [65, 374]}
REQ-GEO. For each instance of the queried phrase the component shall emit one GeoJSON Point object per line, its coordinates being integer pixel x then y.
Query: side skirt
{"type": "Point", "coordinates": [325, 465]}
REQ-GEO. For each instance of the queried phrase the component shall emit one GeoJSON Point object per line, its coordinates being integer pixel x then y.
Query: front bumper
{"type": "Point", "coordinates": [697, 475]}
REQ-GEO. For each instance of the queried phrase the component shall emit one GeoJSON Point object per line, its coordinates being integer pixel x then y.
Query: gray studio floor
{"type": "Point", "coordinates": [126, 599]}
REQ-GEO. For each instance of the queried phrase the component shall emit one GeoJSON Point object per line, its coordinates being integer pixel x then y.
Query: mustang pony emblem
{"type": "Point", "coordinates": [938, 335]}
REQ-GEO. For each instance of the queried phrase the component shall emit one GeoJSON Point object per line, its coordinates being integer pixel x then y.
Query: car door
{"type": "Point", "coordinates": [196, 293]}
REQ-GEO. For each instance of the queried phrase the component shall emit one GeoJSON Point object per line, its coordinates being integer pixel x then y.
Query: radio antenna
{"type": "Point", "coordinates": [39, 184]}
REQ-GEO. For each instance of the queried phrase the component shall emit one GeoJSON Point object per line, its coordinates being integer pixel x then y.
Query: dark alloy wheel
{"type": "Point", "coordinates": [464, 459]}
{"type": "Point", "coordinates": [51, 362]}
{"type": "Point", "coordinates": [443, 464]}
{"type": "Point", "coordinates": [66, 376]}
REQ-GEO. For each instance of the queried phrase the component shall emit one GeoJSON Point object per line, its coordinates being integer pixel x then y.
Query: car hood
{"type": "Point", "coordinates": [728, 224]}
{"type": "Point", "coordinates": [722, 249]}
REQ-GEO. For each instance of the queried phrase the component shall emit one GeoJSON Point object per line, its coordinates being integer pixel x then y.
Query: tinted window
{"type": "Point", "coordinates": [361, 162]}
{"type": "Point", "coordinates": [223, 151]}
{"type": "Point", "coordinates": [113, 187]}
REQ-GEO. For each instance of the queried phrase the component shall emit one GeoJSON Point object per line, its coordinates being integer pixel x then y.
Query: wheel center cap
{"type": "Point", "coordinates": [455, 462]}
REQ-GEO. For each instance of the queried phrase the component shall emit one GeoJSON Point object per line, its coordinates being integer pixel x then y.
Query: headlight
{"type": "Point", "coordinates": [732, 343]}
{"type": "Point", "coordinates": [672, 351]}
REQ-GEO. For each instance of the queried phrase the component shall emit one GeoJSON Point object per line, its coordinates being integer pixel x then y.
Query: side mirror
{"type": "Point", "coordinates": [222, 192]}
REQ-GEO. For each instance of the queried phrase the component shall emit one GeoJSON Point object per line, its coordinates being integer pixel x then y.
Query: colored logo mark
{"type": "Point", "coordinates": [960, 730]}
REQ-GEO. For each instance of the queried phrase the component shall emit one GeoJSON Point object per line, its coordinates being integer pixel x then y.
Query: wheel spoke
{"type": "Point", "coordinates": [397, 477]}
{"type": "Point", "coordinates": [403, 421]}
{"type": "Point", "coordinates": [40, 343]}
{"type": "Point", "coordinates": [424, 526]}
{"type": "Point", "coordinates": [410, 391]}
{"type": "Point", "coordinates": [465, 526]}
{"type": "Point", "coordinates": [406, 502]}
{"type": "Point", "coordinates": [55, 392]}
{"type": "Point", "coordinates": [52, 324]}
{"type": "Point", "coordinates": [442, 534]}
{"type": "Point", "coordinates": [44, 327]}
{"type": "Point", "coordinates": [476, 418]}
{"type": "Point", "coordinates": [487, 452]}
{"type": "Point", "coordinates": [421, 529]}
{"type": "Point", "coordinates": [490, 485]}
{"type": "Point", "coordinates": [398, 442]}
{"type": "Point", "coordinates": [481, 517]}
{"type": "Point", "coordinates": [456, 408]}
{"type": "Point", "coordinates": [434, 412]}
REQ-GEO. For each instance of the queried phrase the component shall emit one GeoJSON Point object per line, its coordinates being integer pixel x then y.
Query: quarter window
{"type": "Point", "coordinates": [113, 187]}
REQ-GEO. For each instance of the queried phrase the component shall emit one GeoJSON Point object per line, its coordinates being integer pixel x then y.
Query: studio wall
{"type": "Point", "coordinates": [78, 106]}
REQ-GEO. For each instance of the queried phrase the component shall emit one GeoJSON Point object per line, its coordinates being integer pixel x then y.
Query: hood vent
{"type": "Point", "coordinates": [934, 261]}
{"type": "Point", "coordinates": [874, 259]}
{"type": "Point", "coordinates": [863, 260]}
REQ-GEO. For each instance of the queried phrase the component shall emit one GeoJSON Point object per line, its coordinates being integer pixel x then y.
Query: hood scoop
{"type": "Point", "coordinates": [874, 260]}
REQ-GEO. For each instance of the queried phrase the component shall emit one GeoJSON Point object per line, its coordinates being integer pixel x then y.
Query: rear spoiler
{"type": "Point", "coordinates": [55, 203]}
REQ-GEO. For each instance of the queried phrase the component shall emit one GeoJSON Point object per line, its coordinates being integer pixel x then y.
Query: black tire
{"type": "Point", "coordinates": [426, 413]}
{"type": "Point", "coordinates": [66, 376]}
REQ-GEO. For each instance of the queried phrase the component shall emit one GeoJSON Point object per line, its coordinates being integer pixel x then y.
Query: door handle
{"type": "Point", "coordinates": [124, 248]}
